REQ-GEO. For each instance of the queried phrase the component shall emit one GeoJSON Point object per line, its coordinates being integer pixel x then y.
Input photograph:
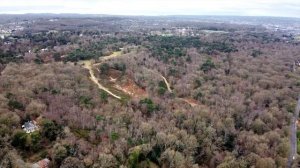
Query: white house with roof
{"type": "Point", "coordinates": [30, 127]}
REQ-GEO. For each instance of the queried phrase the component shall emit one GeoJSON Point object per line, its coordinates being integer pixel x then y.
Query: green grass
{"type": "Point", "coordinates": [81, 133]}
{"type": "Point", "coordinates": [124, 97]}
{"type": "Point", "coordinates": [298, 141]}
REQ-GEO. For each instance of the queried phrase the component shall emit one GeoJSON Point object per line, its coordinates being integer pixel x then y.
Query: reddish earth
{"type": "Point", "coordinates": [114, 73]}
{"type": "Point", "coordinates": [132, 89]}
{"type": "Point", "coordinates": [191, 101]}
{"type": "Point", "coordinates": [125, 84]}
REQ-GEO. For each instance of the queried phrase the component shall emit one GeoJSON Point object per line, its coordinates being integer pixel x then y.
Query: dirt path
{"type": "Point", "coordinates": [113, 55]}
{"type": "Point", "coordinates": [293, 141]}
{"type": "Point", "coordinates": [165, 80]}
{"type": "Point", "coordinates": [167, 83]}
{"type": "Point", "coordinates": [88, 65]}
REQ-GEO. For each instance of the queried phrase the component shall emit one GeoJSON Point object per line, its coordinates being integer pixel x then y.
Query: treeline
{"type": "Point", "coordinates": [8, 56]}
{"type": "Point", "coordinates": [165, 48]}
{"type": "Point", "coordinates": [94, 49]}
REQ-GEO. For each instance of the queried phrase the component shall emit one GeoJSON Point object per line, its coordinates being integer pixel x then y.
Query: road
{"type": "Point", "coordinates": [293, 140]}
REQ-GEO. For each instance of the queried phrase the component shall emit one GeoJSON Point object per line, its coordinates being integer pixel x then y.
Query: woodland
{"type": "Point", "coordinates": [196, 99]}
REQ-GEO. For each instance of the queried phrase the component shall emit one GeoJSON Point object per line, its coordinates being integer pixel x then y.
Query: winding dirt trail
{"type": "Point", "coordinates": [165, 80]}
{"type": "Point", "coordinates": [167, 83]}
{"type": "Point", "coordinates": [89, 65]}
{"type": "Point", "coordinates": [190, 101]}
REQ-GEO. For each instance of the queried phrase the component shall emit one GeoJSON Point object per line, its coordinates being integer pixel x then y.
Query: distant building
{"type": "Point", "coordinates": [30, 127]}
{"type": "Point", "coordinates": [44, 49]}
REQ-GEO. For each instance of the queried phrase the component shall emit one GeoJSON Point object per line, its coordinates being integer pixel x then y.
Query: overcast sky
{"type": "Point", "coordinates": [286, 8]}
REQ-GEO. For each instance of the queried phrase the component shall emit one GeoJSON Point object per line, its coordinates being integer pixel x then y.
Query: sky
{"type": "Point", "coordinates": [283, 8]}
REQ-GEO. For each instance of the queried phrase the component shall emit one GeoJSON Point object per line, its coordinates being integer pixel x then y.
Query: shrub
{"type": "Point", "coordinates": [9, 119]}
{"type": "Point", "coordinates": [209, 48]}
{"type": "Point", "coordinates": [150, 106]}
{"type": "Point", "coordinates": [60, 153]}
{"type": "Point", "coordinates": [259, 126]}
{"type": "Point", "coordinates": [51, 130]}
{"type": "Point", "coordinates": [161, 90]}
{"type": "Point", "coordinates": [86, 101]}
{"type": "Point", "coordinates": [199, 96]}
{"type": "Point", "coordinates": [19, 139]}
{"type": "Point", "coordinates": [14, 104]}
{"type": "Point", "coordinates": [35, 140]}
{"type": "Point", "coordinates": [198, 83]}
{"type": "Point", "coordinates": [81, 133]}
{"type": "Point", "coordinates": [133, 159]}
{"type": "Point", "coordinates": [103, 96]}
{"type": "Point", "coordinates": [290, 107]}
{"type": "Point", "coordinates": [104, 68]}
{"type": "Point", "coordinates": [80, 54]}
{"type": "Point", "coordinates": [100, 117]}
{"type": "Point", "coordinates": [162, 87]}
{"type": "Point", "coordinates": [120, 66]}
{"type": "Point", "coordinates": [114, 136]}
{"type": "Point", "coordinates": [207, 65]}
{"type": "Point", "coordinates": [26, 141]}
{"type": "Point", "coordinates": [256, 53]}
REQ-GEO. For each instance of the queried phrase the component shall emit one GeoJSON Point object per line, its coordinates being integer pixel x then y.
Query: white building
{"type": "Point", "coordinates": [30, 127]}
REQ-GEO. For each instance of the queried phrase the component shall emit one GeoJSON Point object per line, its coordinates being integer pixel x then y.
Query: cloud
{"type": "Point", "coordinates": [156, 7]}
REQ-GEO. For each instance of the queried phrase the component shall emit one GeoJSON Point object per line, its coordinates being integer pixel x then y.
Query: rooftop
{"type": "Point", "coordinates": [30, 127]}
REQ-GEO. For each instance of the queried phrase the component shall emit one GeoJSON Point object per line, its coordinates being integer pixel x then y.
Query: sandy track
{"type": "Point", "coordinates": [88, 65]}
{"type": "Point", "coordinates": [165, 80]}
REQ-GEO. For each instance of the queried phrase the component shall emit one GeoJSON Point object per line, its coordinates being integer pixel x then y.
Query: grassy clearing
{"type": "Point", "coordinates": [124, 97]}
{"type": "Point", "coordinates": [81, 133]}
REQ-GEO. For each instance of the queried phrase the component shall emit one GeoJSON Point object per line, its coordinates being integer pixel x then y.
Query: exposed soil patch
{"type": "Point", "coordinates": [132, 89]}
{"type": "Point", "coordinates": [124, 83]}
{"type": "Point", "coordinates": [191, 101]}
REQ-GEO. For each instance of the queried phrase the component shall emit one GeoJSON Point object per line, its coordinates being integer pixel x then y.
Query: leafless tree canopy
{"type": "Point", "coordinates": [193, 94]}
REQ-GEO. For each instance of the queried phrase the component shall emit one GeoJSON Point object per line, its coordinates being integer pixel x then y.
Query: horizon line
{"type": "Point", "coordinates": [147, 15]}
